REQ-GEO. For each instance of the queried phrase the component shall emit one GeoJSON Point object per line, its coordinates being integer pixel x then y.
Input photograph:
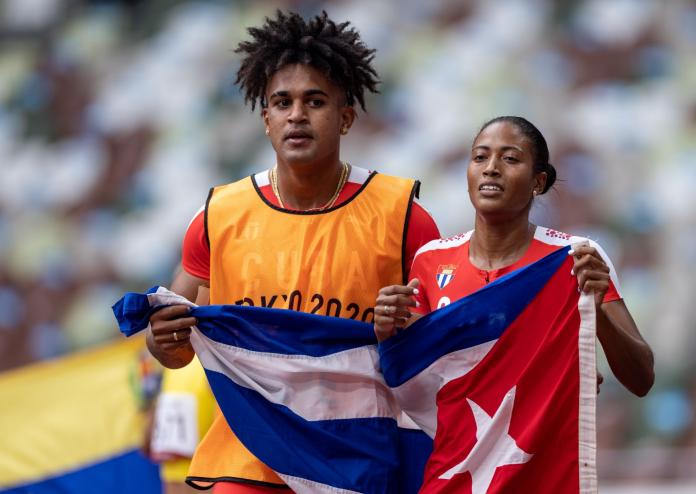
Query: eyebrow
{"type": "Point", "coordinates": [504, 148]}
{"type": "Point", "coordinates": [308, 92]}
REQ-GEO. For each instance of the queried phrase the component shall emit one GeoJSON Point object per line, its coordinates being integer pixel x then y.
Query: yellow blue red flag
{"type": "Point", "coordinates": [74, 425]}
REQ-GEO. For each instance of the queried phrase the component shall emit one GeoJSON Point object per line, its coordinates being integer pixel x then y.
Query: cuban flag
{"type": "Point", "coordinates": [505, 382]}
{"type": "Point", "coordinates": [444, 275]}
{"type": "Point", "coordinates": [302, 392]}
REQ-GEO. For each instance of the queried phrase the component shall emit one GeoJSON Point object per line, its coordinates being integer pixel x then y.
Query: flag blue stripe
{"type": "Point", "coordinates": [355, 454]}
{"type": "Point", "coordinates": [414, 450]}
{"type": "Point", "coordinates": [281, 331]}
{"type": "Point", "coordinates": [127, 473]}
{"type": "Point", "coordinates": [258, 329]}
{"type": "Point", "coordinates": [489, 310]}
{"type": "Point", "coordinates": [133, 312]}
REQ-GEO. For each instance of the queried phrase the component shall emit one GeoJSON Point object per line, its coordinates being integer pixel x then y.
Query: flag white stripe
{"type": "Point", "coordinates": [587, 433]}
{"type": "Point", "coordinates": [342, 385]}
{"type": "Point", "coordinates": [306, 486]}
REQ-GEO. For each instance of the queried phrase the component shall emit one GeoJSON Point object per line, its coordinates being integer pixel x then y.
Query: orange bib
{"type": "Point", "coordinates": [330, 262]}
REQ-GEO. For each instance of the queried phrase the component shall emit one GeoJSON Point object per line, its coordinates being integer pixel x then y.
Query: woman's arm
{"type": "Point", "coordinates": [392, 309]}
{"type": "Point", "coordinates": [629, 355]}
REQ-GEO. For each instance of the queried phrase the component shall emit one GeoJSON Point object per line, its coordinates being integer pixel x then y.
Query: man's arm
{"type": "Point", "coordinates": [421, 230]}
{"type": "Point", "coordinates": [168, 337]}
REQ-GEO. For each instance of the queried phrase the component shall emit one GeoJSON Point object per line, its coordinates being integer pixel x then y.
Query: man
{"type": "Point", "coordinates": [313, 233]}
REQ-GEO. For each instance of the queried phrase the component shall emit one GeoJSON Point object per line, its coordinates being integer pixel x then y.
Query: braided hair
{"type": "Point", "coordinates": [540, 150]}
{"type": "Point", "coordinates": [334, 49]}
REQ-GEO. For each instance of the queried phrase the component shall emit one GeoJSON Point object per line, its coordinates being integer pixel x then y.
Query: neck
{"type": "Point", "coordinates": [304, 187]}
{"type": "Point", "coordinates": [497, 244]}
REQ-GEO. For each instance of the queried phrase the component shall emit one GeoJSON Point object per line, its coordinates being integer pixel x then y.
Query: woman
{"type": "Point", "coordinates": [508, 168]}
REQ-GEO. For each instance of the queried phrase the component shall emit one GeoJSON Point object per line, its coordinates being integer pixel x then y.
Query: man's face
{"type": "Point", "coordinates": [305, 115]}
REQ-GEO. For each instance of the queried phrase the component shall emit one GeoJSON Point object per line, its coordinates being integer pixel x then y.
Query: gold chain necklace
{"type": "Point", "coordinates": [273, 175]}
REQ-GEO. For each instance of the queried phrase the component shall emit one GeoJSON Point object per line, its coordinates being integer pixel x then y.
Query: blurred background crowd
{"type": "Point", "coordinates": [117, 117]}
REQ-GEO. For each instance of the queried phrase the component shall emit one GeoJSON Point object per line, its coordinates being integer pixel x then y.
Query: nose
{"type": "Point", "coordinates": [491, 168]}
{"type": "Point", "coordinates": [297, 112]}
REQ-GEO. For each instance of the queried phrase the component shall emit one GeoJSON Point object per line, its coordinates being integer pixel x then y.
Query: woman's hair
{"type": "Point", "coordinates": [540, 150]}
{"type": "Point", "coordinates": [334, 49]}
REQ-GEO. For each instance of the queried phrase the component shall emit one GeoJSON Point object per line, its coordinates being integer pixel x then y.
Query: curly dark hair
{"type": "Point", "coordinates": [334, 49]}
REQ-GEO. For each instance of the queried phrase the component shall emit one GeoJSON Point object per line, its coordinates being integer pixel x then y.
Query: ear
{"type": "Point", "coordinates": [540, 182]}
{"type": "Point", "coordinates": [347, 118]}
{"type": "Point", "coordinates": [266, 121]}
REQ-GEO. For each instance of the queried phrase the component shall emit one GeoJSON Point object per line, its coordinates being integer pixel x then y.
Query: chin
{"type": "Point", "coordinates": [489, 211]}
{"type": "Point", "coordinates": [490, 207]}
{"type": "Point", "coordinates": [298, 158]}
{"type": "Point", "coordinates": [486, 204]}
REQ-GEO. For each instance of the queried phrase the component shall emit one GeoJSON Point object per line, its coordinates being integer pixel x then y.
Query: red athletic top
{"type": "Point", "coordinates": [446, 273]}
{"type": "Point", "coordinates": [195, 257]}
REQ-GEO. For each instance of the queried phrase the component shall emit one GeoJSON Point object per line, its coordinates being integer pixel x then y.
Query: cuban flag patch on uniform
{"type": "Point", "coordinates": [445, 274]}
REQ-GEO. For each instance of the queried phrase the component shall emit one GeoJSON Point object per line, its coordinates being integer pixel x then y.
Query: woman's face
{"type": "Point", "coordinates": [501, 176]}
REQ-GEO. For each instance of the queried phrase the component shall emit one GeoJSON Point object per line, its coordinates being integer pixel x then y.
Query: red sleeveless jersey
{"type": "Point", "coordinates": [445, 273]}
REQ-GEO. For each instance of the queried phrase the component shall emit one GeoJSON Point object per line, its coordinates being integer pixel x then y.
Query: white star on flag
{"type": "Point", "coordinates": [494, 446]}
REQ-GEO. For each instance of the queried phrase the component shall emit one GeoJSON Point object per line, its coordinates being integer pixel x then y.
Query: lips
{"type": "Point", "coordinates": [297, 135]}
{"type": "Point", "coordinates": [491, 187]}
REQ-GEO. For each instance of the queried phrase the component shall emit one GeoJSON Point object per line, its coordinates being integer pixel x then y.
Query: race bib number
{"type": "Point", "coordinates": [175, 431]}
